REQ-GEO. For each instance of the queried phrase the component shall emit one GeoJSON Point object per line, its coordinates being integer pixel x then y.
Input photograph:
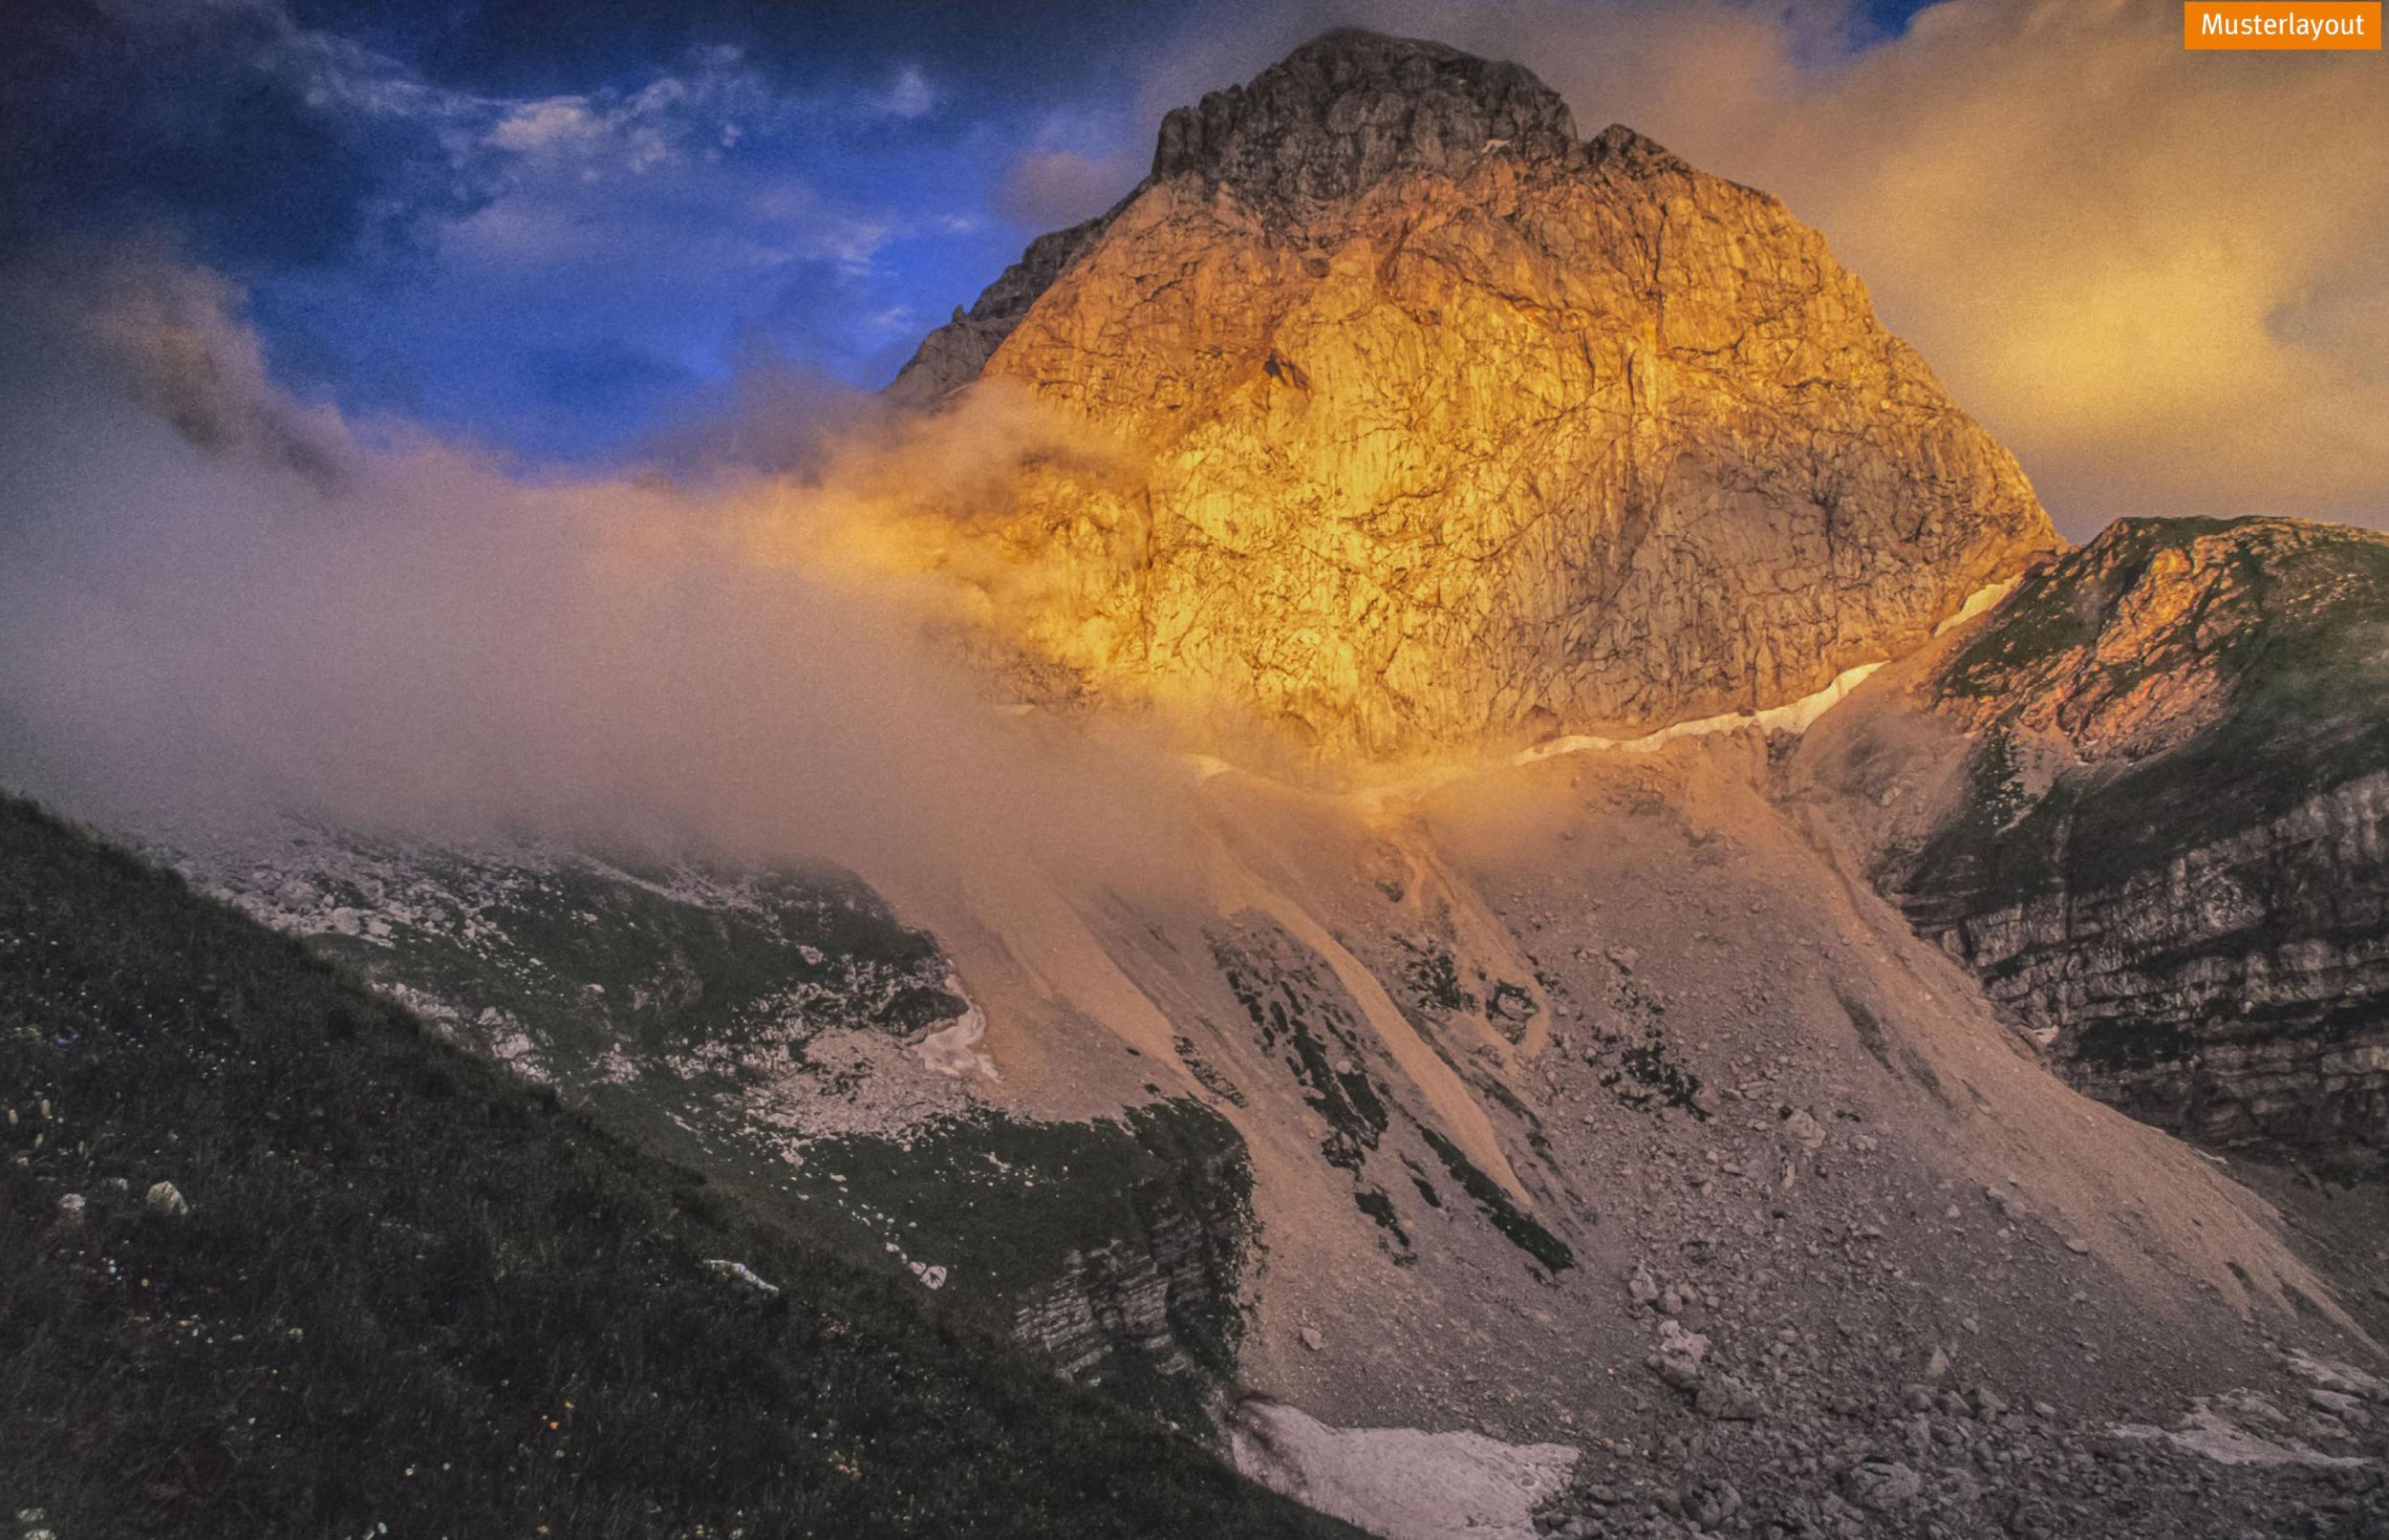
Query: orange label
{"type": "Point", "coordinates": [2280, 24]}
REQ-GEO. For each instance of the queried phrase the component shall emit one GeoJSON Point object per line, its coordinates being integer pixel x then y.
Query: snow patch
{"type": "Point", "coordinates": [1401, 1483]}
{"type": "Point", "coordinates": [1980, 600]}
{"type": "Point", "coordinates": [1792, 717]}
{"type": "Point", "coordinates": [2223, 1438]}
{"type": "Point", "coordinates": [954, 1050]}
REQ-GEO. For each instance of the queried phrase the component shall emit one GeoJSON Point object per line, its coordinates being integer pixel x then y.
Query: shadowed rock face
{"type": "Point", "coordinates": [2163, 840]}
{"type": "Point", "coordinates": [1443, 426]}
{"type": "Point", "coordinates": [1353, 109]}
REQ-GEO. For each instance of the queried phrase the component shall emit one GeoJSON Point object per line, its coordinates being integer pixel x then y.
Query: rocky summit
{"type": "Point", "coordinates": [1439, 425]}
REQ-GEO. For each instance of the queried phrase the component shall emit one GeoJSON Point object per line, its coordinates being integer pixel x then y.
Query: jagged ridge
{"type": "Point", "coordinates": [1337, 116]}
{"type": "Point", "coordinates": [1352, 108]}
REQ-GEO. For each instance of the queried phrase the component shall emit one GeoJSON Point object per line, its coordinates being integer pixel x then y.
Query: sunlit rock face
{"type": "Point", "coordinates": [1449, 427]}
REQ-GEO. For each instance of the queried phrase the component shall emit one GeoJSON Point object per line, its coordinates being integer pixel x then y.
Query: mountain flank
{"type": "Point", "coordinates": [282, 1263]}
{"type": "Point", "coordinates": [1434, 425]}
{"type": "Point", "coordinates": [2145, 799]}
{"type": "Point", "coordinates": [1657, 1091]}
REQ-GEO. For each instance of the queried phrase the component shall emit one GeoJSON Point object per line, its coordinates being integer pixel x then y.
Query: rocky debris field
{"type": "Point", "coordinates": [1793, 1440]}
{"type": "Point", "coordinates": [1832, 1298]}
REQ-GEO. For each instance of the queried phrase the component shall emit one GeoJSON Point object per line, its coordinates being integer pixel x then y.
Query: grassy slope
{"type": "Point", "coordinates": [2305, 666]}
{"type": "Point", "coordinates": [676, 1006]}
{"type": "Point", "coordinates": [411, 1292]}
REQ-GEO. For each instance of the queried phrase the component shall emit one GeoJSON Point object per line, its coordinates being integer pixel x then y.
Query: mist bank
{"type": "Point", "coordinates": [218, 601]}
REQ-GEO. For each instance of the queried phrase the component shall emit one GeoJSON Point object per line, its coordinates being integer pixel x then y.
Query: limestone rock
{"type": "Point", "coordinates": [730, 1268]}
{"type": "Point", "coordinates": [952, 356]}
{"type": "Point", "coordinates": [1680, 1355]}
{"type": "Point", "coordinates": [1882, 1484]}
{"type": "Point", "coordinates": [1352, 109]}
{"type": "Point", "coordinates": [1726, 1397]}
{"type": "Point", "coordinates": [2144, 799]}
{"type": "Point", "coordinates": [1438, 425]}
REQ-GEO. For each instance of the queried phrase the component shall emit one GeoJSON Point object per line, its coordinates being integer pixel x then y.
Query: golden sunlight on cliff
{"type": "Point", "coordinates": [1444, 436]}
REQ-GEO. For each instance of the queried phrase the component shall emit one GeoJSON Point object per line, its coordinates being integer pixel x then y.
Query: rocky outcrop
{"type": "Point", "coordinates": [2238, 991]}
{"type": "Point", "coordinates": [1160, 1299]}
{"type": "Point", "coordinates": [1442, 425]}
{"type": "Point", "coordinates": [952, 356]}
{"type": "Point", "coordinates": [1354, 109]}
{"type": "Point", "coordinates": [2163, 839]}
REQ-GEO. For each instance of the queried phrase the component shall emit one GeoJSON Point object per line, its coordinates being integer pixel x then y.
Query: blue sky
{"type": "Point", "coordinates": [556, 228]}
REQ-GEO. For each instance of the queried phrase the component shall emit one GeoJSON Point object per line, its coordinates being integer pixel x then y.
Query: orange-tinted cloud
{"type": "Point", "coordinates": [1049, 189]}
{"type": "Point", "coordinates": [214, 598]}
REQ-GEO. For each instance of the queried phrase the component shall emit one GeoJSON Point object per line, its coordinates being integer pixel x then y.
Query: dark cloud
{"type": "Point", "coordinates": [986, 50]}
{"type": "Point", "coordinates": [214, 122]}
{"type": "Point", "coordinates": [541, 224]}
{"type": "Point", "coordinates": [139, 327]}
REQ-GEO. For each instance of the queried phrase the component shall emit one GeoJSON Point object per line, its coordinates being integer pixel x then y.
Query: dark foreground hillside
{"type": "Point", "coordinates": [409, 1292]}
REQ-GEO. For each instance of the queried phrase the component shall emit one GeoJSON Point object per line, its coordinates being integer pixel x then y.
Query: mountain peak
{"type": "Point", "coordinates": [1350, 108]}
{"type": "Point", "coordinates": [1441, 429]}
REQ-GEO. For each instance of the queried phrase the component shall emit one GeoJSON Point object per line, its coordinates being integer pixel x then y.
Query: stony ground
{"type": "Point", "coordinates": [1800, 1235]}
{"type": "Point", "coordinates": [1854, 1432]}
{"type": "Point", "coordinates": [1945, 1458]}
{"type": "Point", "coordinates": [1855, 1262]}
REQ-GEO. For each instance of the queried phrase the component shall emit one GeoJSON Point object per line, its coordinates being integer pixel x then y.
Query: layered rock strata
{"type": "Point", "coordinates": [2156, 820]}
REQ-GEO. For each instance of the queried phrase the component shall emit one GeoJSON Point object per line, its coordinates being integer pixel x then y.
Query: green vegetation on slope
{"type": "Point", "coordinates": [725, 1016]}
{"type": "Point", "coordinates": [604, 953]}
{"type": "Point", "coordinates": [2293, 626]}
{"type": "Point", "coordinates": [411, 1292]}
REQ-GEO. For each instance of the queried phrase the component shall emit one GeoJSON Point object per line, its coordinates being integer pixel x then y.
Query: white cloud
{"type": "Point", "coordinates": [690, 115]}
{"type": "Point", "coordinates": [398, 633]}
{"type": "Point", "coordinates": [911, 97]}
{"type": "Point", "coordinates": [545, 126]}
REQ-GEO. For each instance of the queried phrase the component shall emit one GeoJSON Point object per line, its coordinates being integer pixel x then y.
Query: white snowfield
{"type": "Point", "coordinates": [1795, 716]}
{"type": "Point", "coordinates": [954, 1051]}
{"type": "Point", "coordinates": [1399, 1481]}
{"type": "Point", "coordinates": [1980, 600]}
{"type": "Point", "coordinates": [1792, 717]}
